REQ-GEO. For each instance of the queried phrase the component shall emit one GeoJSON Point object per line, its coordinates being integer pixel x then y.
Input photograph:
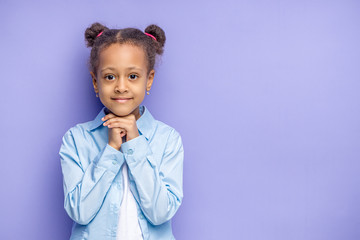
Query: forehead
{"type": "Point", "coordinates": [122, 55]}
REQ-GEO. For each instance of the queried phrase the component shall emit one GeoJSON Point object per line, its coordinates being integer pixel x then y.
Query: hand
{"type": "Point", "coordinates": [119, 127]}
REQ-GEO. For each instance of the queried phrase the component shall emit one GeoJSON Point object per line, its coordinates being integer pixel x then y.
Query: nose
{"type": "Point", "coordinates": [121, 85]}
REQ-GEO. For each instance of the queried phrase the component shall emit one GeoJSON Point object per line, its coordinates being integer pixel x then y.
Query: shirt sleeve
{"type": "Point", "coordinates": [85, 189]}
{"type": "Point", "coordinates": [159, 182]}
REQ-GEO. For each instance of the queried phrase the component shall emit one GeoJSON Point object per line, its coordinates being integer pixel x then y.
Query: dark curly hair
{"type": "Point", "coordinates": [132, 36]}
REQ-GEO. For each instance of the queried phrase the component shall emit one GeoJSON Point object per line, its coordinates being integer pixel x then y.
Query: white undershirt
{"type": "Point", "coordinates": [128, 228]}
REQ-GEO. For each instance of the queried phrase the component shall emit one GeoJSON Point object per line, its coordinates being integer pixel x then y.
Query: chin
{"type": "Point", "coordinates": [120, 112]}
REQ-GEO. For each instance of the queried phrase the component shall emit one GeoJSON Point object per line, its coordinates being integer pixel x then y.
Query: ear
{"type": "Point", "coordinates": [150, 80]}
{"type": "Point", "coordinates": [94, 82]}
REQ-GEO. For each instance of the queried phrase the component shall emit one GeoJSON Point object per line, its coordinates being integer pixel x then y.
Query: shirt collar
{"type": "Point", "coordinates": [146, 123]}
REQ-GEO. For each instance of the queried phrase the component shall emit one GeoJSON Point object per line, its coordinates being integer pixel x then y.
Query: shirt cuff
{"type": "Point", "coordinates": [136, 149]}
{"type": "Point", "coordinates": [111, 159]}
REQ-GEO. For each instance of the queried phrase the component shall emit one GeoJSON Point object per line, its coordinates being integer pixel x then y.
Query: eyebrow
{"type": "Point", "coordinates": [110, 68]}
{"type": "Point", "coordinates": [129, 68]}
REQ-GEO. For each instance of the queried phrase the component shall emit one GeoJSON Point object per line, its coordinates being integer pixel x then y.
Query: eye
{"type": "Point", "coordinates": [110, 77]}
{"type": "Point", "coordinates": [133, 76]}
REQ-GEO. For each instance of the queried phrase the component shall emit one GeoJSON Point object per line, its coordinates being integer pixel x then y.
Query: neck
{"type": "Point", "coordinates": [137, 113]}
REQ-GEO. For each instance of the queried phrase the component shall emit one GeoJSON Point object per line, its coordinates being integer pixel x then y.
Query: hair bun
{"type": "Point", "coordinates": [159, 34]}
{"type": "Point", "coordinates": [92, 32]}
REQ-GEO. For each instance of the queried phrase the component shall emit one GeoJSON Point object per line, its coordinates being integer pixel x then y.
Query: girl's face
{"type": "Point", "coordinates": [122, 78]}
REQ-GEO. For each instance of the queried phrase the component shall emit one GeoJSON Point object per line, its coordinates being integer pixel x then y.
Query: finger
{"type": "Point", "coordinates": [122, 133]}
{"type": "Point", "coordinates": [118, 130]}
{"type": "Point", "coordinates": [116, 123]}
{"type": "Point", "coordinates": [113, 120]}
{"type": "Point", "coordinates": [108, 116]}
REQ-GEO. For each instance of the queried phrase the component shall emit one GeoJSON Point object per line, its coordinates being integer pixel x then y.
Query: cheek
{"type": "Point", "coordinates": [105, 89]}
{"type": "Point", "coordinates": [141, 88]}
{"type": "Point", "coordinates": [140, 91]}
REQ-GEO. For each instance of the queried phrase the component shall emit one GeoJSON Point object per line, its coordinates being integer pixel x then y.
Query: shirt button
{"type": "Point", "coordinates": [114, 162]}
{"type": "Point", "coordinates": [130, 151]}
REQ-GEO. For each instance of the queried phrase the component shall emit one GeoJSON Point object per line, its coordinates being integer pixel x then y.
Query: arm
{"type": "Point", "coordinates": [159, 185]}
{"type": "Point", "coordinates": [85, 189]}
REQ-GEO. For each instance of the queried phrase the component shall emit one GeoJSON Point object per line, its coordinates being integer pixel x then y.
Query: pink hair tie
{"type": "Point", "coordinates": [99, 34]}
{"type": "Point", "coordinates": [151, 36]}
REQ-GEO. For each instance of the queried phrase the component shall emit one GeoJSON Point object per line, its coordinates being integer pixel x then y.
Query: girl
{"type": "Point", "coordinates": [122, 171]}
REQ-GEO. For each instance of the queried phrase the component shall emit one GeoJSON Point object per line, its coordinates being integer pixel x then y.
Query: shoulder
{"type": "Point", "coordinates": [164, 127]}
{"type": "Point", "coordinates": [170, 138]}
{"type": "Point", "coordinates": [80, 129]}
{"type": "Point", "coordinates": [168, 132]}
{"type": "Point", "coordinates": [155, 127]}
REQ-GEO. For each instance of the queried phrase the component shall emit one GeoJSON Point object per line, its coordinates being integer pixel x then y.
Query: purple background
{"type": "Point", "coordinates": [264, 93]}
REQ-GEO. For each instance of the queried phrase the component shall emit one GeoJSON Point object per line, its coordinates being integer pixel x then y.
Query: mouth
{"type": "Point", "coordinates": [121, 100]}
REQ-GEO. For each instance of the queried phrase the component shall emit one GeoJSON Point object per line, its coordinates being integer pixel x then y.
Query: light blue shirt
{"type": "Point", "coordinates": [93, 183]}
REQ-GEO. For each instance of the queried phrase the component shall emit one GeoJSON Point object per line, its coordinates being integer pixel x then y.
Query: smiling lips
{"type": "Point", "coordinates": [121, 100]}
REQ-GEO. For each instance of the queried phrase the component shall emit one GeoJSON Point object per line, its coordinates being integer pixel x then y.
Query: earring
{"type": "Point", "coordinates": [97, 95]}
{"type": "Point", "coordinates": [147, 93]}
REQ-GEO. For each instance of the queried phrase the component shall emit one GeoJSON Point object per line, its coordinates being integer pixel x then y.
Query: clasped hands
{"type": "Point", "coordinates": [119, 127]}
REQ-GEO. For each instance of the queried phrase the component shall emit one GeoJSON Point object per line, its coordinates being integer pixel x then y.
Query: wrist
{"type": "Point", "coordinates": [129, 137]}
{"type": "Point", "coordinates": [116, 146]}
